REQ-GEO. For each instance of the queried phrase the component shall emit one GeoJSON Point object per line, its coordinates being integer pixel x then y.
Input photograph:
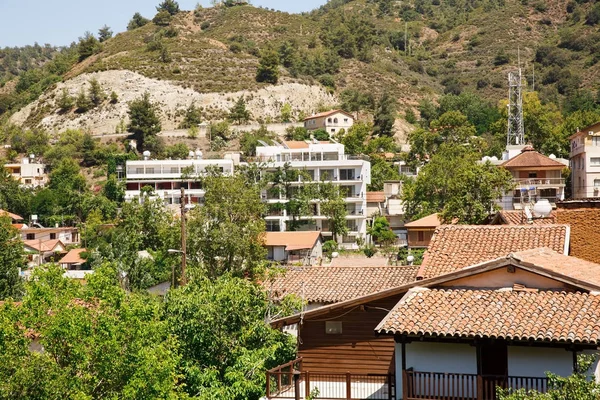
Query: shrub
{"type": "Point", "coordinates": [205, 25]}
{"type": "Point", "coordinates": [235, 47]}
{"type": "Point", "coordinates": [327, 80]}
{"type": "Point", "coordinates": [501, 58]}
{"type": "Point", "coordinates": [162, 18]}
{"type": "Point", "coordinates": [369, 251]}
{"type": "Point", "coordinates": [329, 247]}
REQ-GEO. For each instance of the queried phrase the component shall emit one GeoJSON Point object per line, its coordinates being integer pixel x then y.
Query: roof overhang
{"type": "Point", "coordinates": [491, 265]}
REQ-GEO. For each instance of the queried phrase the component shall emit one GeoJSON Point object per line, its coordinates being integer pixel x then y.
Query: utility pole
{"type": "Point", "coordinates": [183, 246]}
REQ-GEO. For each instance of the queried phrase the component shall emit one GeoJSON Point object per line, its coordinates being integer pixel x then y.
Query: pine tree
{"type": "Point", "coordinates": [144, 121]}
{"type": "Point", "coordinates": [114, 97]}
{"type": "Point", "coordinates": [82, 102]}
{"type": "Point", "coordinates": [385, 116]}
{"type": "Point", "coordinates": [170, 6]}
{"type": "Point", "coordinates": [192, 117]}
{"type": "Point", "coordinates": [88, 45]}
{"type": "Point", "coordinates": [137, 21]}
{"type": "Point", "coordinates": [104, 33]}
{"type": "Point", "coordinates": [239, 113]}
{"type": "Point", "coordinates": [65, 102]}
{"type": "Point", "coordinates": [97, 95]}
{"type": "Point", "coordinates": [268, 68]}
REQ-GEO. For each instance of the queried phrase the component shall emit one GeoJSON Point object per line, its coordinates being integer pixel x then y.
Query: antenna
{"type": "Point", "coordinates": [516, 130]}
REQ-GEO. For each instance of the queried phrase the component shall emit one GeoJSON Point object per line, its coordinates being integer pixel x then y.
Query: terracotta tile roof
{"type": "Point", "coordinates": [505, 313]}
{"type": "Point", "coordinates": [295, 144]}
{"type": "Point", "coordinates": [73, 257]}
{"type": "Point", "coordinates": [46, 245]}
{"type": "Point", "coordinates": [430, 221]}
{"type": "Point", "coordinates": [454, 247]}
{"type": "Point", "coordinates": [12, 216]}
{"type": "Point", "coordinates": [375, 197]}
{"type": "Point", "coordinates": [531, 158]}
{"type": "Point", "coordinates": [574, 268]}
{"type": "Point", "coordinates": [292, 240]}
{"type": "Point", "coordinates": [513, 217]}
{"type": "Point", "coordinates": [327, 113]}
{"type": "Point", "coordinates": [333, 284]}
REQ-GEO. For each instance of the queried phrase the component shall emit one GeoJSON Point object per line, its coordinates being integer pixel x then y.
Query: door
{"type": "Point", "coordinates": [494, 367]}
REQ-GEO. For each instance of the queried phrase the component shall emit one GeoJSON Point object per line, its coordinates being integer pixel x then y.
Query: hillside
{"type": "Point", "coordinates": [211, 56]}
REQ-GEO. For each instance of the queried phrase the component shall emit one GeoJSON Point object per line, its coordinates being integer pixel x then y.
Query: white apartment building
{"type": "Point", "coordinates": [322, 162]}
{"type": "Point", "coordinates": [331, 121]}
{"type": "Point", "coordinates": [30, 174]}
{"type": "Point", "coordinates": [585, 162]}
{"type": "Point", "coordinates": [167, 177]}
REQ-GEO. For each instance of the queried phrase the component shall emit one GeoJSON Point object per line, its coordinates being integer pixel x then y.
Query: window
{"type": "Point", "coordinates": [421, 236]}
{"type": "Point", "coordinates": [327, 174]}
{"type": "Point", "coordinates": [333, 327]}
{"type": "Point", "coordinates": [597, 183]}
{"type": "Point", "coordinates": [595, 140]}
{"type": "Point", "coordinates": [149, 170]}
{"type": "Point", "coordinates": [346, 174]}
{"type": "Point", "coordinates": [52, 236]}
{"type": "Point", "coordinates": [139, 170]}
{"type": "Point", "coordinates": [532, 175]}
{"type": "Point", "coordinates": [595, 161]}
{"type": "Point", "coordinates": [329, 120]}
{"type": "Point", "coordinates": [174, 170]}
{"type": "Point", "coordinates": [345, 119]}
{"type": "Point", "coordinates": [27, 181]}
{"type": "Point", "coordinates": [333, 131]}
{"type": "Point", "coordinates": [30, 236]}
{"type": "Point", "coordinates": [335, 120]}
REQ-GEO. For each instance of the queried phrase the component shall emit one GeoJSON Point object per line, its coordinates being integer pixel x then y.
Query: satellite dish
{"type": "Point", "coordinates": [552, 156]}
{"type": "Point", "coordinates": [494, 158]}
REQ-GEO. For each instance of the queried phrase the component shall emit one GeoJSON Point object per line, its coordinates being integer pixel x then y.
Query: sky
{"type": "Point", "coordinates": [60, 22]}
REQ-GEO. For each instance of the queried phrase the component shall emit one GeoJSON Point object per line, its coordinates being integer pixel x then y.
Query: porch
{"type": "Point", "coordinates": [418, 385]}
{"type": "Point", "coordinates": [290, 381]}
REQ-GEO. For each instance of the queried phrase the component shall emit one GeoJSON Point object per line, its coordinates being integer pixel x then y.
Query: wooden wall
{"type": "Point", "coordinates": [357, 350]}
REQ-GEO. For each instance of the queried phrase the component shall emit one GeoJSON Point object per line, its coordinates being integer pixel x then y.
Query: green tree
{"type": "Point", "coordinates": [286, 113]}
{"type": "Point", "coordinates": [83, 102]}
{"type": "Point", "coordinates": [455, 184]}
{"type": "Point", "coordinates": [268, 67]}
{"type": "Point", "coordinates": [88, 46]}
{"type": "Point", "coordinates": [355, 101]}
{"type": "Point", "coordinates": [380, 231]}
{"type": "Point", "coordinates": [385, 116]}
{"type": "Point", "coordinates": [355, 139]}
{"type": "Point", "coordinates": [137, 21]}
{"type": "Point", "coordinates": [11, 260]}
{"type": "Point", "coordinates": [162, 18]}
{"type": "Point", "coordinates": [225, 234]}
{"type": "Point", "coordinates": [113, 189]}
{"type": "Point", "coordinates": [333, 206]}
{"type": "Point", "coordinates": [192, 117]}
{"type": "Point", "coordinates": [114, 97]}
{"type": "Point", "coordinates": [226, 346]}
{"type": "Point", "coordinates": [65, 102]}
{"type": "Point", "coordinates": [144, 122]}
{"type": "Point", "coordinates": [97, 342]}
{"type": "Point", "coordinates": [170, 6]}
{"type": "Point", "coordinates": [96, 93]}
{"type": "Point", "coordinates": [104, 33]}
{"type": "Point", "coordinates": [239, 113]}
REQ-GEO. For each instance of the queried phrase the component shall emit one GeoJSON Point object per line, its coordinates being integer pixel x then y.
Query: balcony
{"type": "Point", "coordinates": [308, 157]}
{"type": "Point", "coordinates": [419, 385]}
{"type": "Point", "coordinates": [290, 381]}
{"type": "Point", "coordinates": [540, 182]}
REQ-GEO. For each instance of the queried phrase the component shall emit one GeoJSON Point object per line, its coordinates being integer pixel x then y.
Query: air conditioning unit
{"type": "Point", "coordinates": [590, 133]}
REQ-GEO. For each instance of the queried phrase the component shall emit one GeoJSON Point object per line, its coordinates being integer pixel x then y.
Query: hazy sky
{"type": "Point", "coordinates": [60, 22]}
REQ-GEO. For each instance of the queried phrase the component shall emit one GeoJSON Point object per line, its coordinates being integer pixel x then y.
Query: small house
{"type": "Point", "coordinates": [331, 121]}
{"type": "Point", "coordinates": [291, 247]}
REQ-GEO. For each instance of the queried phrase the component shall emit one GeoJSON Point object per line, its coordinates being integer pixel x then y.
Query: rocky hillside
{"type": "Point", "coordinates": [210, 56]}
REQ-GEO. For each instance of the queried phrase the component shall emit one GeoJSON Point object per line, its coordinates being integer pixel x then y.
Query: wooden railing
{"type": "Point", "coordinates": [449, 386]}
{"type": "Point", "coordinates": [289, 381]}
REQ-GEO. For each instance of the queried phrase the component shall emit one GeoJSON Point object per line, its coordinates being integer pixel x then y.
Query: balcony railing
{"type": "Point", "coordinates": [443, 386]}
{"type": "Point", "coordinates": [539, 181]}
{"type": "Point", "coordinates": [290, 381]}
{"type": "Point", "coordinates": [304, 157]}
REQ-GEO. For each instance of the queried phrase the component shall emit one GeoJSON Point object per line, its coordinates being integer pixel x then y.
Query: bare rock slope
{"type": "Point", "coordinates": [172, 99]}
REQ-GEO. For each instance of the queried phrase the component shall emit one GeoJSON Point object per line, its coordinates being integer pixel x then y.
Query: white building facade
{"type": "Point", "coordinates": [165, 178]}
{"type": "Point", "coordinates": [321, 162]}
{"type": "Point", "coordinates": [331, 121]}
{"type": "Point", "coordinates": [29, 174]}
{"type": "Point", "coordinates": [585, 162]}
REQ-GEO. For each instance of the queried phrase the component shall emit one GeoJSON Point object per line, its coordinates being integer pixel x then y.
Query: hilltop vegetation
{"type": "Point", "coordinates": [357, 50]}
